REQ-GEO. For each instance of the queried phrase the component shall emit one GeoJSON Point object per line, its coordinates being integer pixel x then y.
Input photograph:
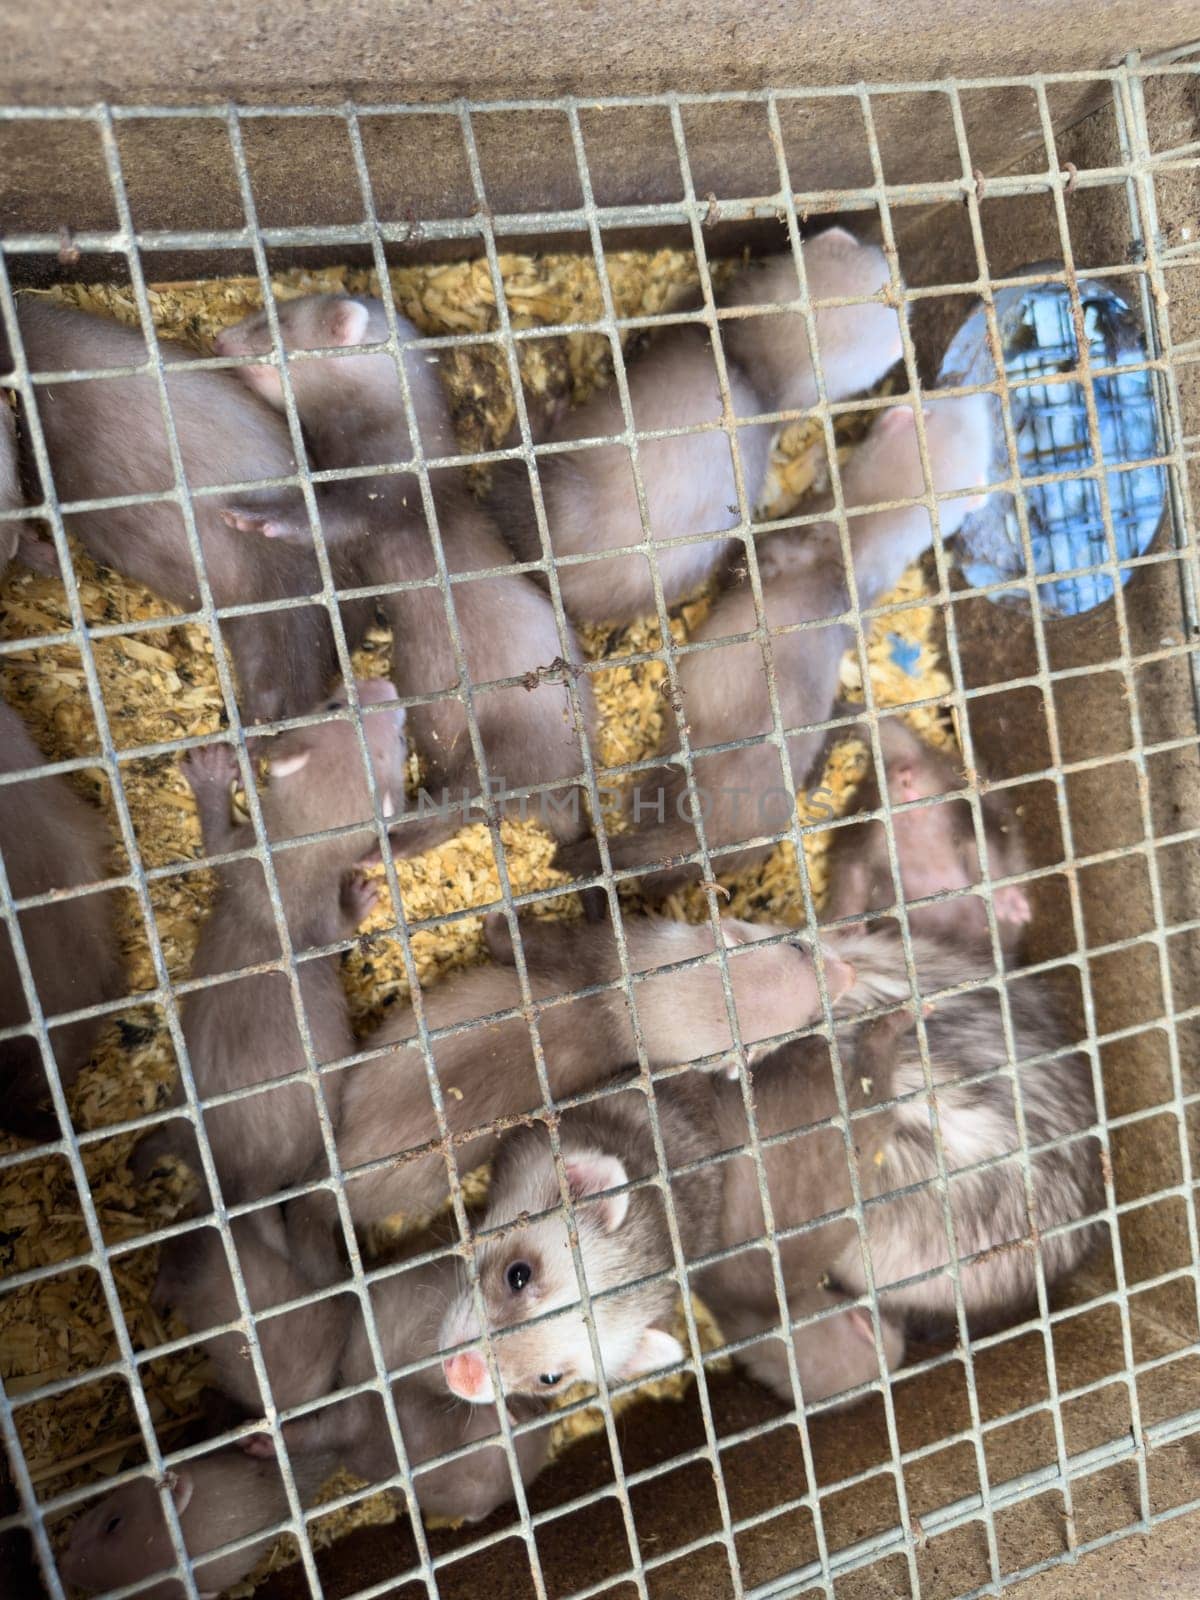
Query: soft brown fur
{"type": "Point", "coordinates": [935, 847]}
{"type": "Point", "coordinates": [623, 1239]}
{"type": "Point", "coordinates": [363, 424]}
{"type": "Point", "coordinates": [51, 839]}
{"type": "Point", "coordinates": [590, 493]}
{"type": "Point", "coordinates": [856, 343]}
{"type": "Point", "coordinates": [219, 1498]}
{"type": "Point", "coordinates": [487, 1072]}
{"type": "Point", "coordinates": [724, 689]}
{"type": "Point", "coordinates": [243, 1031]}
{"type": "Point", "coordinates": [538, 1333]}
{"type": "Point", "coordinates": [106, 436]}
{"type": "Point", "coordinates": [607, 1145]}
{"type": "Point", "coordinates": [508, 630]}
{"type": "Point", "coordinates": [377, 529]}
{"type": "Point", "coordinates": [301, 1349]}
{"type": "Point", "coordinates": [894, 1149]}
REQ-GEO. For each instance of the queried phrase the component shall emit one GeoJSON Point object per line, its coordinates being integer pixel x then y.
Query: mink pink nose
{"type": "Point", "coordinates": [466, 1373]}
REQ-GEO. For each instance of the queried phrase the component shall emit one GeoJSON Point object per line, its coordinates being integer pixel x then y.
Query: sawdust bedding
{"type": "Point", "coordinates": [161, 685]}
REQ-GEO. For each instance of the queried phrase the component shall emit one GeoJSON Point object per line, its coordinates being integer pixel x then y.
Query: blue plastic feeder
{"type": "Point", "coordinates": [1049, 419]}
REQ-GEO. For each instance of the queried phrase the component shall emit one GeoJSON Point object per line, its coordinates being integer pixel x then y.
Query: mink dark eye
{"type": "Point", "coordinates": [518, 1275]}
{"type": "Point", "coordinates": [549, 1379]}
{"type": "Point", "coordinates": [112, 1524]}
{"type": "Point", "coordinates": [333, 705]}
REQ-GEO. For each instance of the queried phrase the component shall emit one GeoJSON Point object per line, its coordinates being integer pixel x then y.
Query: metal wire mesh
{"type": "Point", "coordinates": [906, 1535]}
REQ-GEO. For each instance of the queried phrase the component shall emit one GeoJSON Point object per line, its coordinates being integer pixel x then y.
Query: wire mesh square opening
{"type": "Point", "coordinates": [600, 996]}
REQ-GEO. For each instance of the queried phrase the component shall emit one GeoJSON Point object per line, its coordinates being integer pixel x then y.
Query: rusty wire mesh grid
{"type": "Point", "coordinates": [1135, 174]}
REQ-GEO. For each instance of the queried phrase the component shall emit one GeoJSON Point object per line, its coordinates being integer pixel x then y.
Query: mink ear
{"type": "Point", "coordinates": [182, 1484]}
{"type": "Point", "coordinates": [590, 1172]}
{"type": "Point", "coordinates": [654, 1351]}
{"type": "Point", "coordinates": [285, 766]}
{"type": "Point", "coordinates": [895, 419]}
{"type": "Point", "coordinates": [840, 976]}
{"type": "Point", "coordinates": [857, 1323]}
{"type": "Point", "coordinates": [900, 779]}
{"type": "Point", "coordinates": [348, 323]}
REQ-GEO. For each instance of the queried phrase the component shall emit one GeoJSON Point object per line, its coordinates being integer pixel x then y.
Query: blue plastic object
{"type": "Point", "coordinates": [1049, 419]}
{"type": "Point", "coordinates": [904, 653]}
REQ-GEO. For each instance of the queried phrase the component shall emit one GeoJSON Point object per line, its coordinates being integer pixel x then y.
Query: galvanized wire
{"type": "Point", "coordinates": [1135, 174]}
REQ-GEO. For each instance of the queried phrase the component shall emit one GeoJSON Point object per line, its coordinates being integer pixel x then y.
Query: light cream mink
{"type": "Point", "coordinates": [724, 694]}
{"type": "Point", "coordinates": [590, 492]}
